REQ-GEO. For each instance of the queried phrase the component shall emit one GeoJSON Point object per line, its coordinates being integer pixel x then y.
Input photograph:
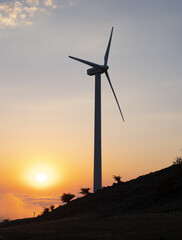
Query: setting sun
{"type": "Point", "coordinates": [41, 177]}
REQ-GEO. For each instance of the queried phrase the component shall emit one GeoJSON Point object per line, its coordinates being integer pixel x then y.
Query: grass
{"type": "Point", "coordinates": [128, 227]}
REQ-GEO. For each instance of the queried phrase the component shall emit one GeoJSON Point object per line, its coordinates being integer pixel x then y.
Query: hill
{"type": "Point", "coordinates": [155, 199]}
{"type": "Point", "coordinates": [159, 191]}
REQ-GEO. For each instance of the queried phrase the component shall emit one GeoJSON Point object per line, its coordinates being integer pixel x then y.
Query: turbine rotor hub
{"type": "Point", "coordinates": [106, 67]}
{"type": "Point", "coordinates": [94, 70]}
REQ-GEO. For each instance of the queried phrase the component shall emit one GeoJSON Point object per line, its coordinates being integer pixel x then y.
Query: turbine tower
{"type": "Point", "coordinates": [97, 70]}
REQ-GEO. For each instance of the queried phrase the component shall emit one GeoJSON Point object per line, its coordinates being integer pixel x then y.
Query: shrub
{"type": "Point", "coordinates": [84, 191]}
{"type": "Point", "coordinates": [178, 161]}
{"type": "Point", "coordinates": [117, 178]}
{"type": "Point", "coordinates": [66, 197]}
{"type": "Point", "coordinates": [5, 220]}
{"type": "Point", "coordinates": [45, 211]}
{"type": "Point", "coordinates": [52, 207]}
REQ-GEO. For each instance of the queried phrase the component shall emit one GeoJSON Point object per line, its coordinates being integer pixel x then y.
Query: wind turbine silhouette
{"type": "Point", "coordinates": [97, 70]}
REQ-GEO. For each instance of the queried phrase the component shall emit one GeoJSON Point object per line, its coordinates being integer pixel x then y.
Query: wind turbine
{"type": "Point", "coordinates": [97, 70]}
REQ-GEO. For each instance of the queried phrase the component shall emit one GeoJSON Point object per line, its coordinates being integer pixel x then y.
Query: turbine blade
{"type": "Point", "coordinates": [87, 62]}
{"type": "Point", "coordinates": [107, 75]}
{"type": "Point", "coordinates": [108, 48]}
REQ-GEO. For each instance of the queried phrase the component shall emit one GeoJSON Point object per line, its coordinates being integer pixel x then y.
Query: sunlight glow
{"type": "Point", "coordinates": [41, 177]}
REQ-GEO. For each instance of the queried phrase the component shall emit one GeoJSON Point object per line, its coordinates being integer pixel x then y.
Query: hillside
{"type": "Point", "coordinates": [159, 191]}
{"type": "Point", "coordinates": [149, 201]}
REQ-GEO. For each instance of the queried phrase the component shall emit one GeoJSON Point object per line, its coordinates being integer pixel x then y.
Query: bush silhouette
{"type": "Point", "coordinates": [117, 178]}
{"type": "Point", "coordinates": [84, 191]}
{"type": "Point", "coordinates": [66, 197]}
{"type": "Point", "coordinates": [45, 211]}
{"type": "Point", "coordinates": [177, 161]}
{"type": "Point", "coordinates": [5, 220]}
{"type": "Point", "coordinates": [52, 207]}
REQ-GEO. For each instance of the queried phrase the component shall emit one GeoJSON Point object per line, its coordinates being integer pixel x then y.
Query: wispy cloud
{"type": "Point", "coordinates": [42, 201]}
{"type": "Point", "coordinates": [33, 2]}
{"type": "Point", "coordinates": [22, 12]}
{"type": "Point", "coordinates": [15, 206]}
{"type": "Point", "coordinates": [50, 3]}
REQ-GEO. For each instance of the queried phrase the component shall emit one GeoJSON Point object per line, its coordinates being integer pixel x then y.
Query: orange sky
{"type": "Point", "coordinates": [47, 100]}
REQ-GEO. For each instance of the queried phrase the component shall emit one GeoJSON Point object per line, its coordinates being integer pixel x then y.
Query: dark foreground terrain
{"type": "Point", "coordinates": [127, 227]}
{"type": "Point", "coordinates": [149, 207]}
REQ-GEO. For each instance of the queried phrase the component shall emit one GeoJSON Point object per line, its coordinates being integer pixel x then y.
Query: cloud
{"type": "Point", "coordinates": [9, 13]}
{"type": "Point", "coordinates": [14, 206]}
{"type": "Point", "coordinates": [33, 2]}
{"type": "Point", "coordinates": [48, 2]}
{"type": "Point", "coordinates": [42, 201]}
{"type": "Point", "coordinates": [30, 11]}
{"type": "Point", "coordinates": [22, 12]}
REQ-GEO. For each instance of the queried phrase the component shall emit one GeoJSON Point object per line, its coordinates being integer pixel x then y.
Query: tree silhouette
{"type": "Point", "coordinates": [52, 207]}
{"type": "Point", "coordinates": [84, 191]}
{"type": "Point", "coordinates": [66, 197]}
{"type": "Point", "coordinates": [117, 178]}
{"type": "Point", "coordinates": [45, 211]}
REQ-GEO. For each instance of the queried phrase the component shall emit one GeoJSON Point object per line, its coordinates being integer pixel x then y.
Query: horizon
{"type": "Point", "coordinates": [47, 100]}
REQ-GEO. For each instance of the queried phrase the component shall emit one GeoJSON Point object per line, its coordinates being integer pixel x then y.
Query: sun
{"type": "Point", "coordinates": [41, 177]}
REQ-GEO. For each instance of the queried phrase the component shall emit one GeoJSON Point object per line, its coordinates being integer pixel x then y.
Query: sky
{"type": "Point", "coordinates": [47, 99]}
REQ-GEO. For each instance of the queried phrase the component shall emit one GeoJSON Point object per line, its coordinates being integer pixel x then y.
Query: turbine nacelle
{"type": "Point", "coordinates": [94, 71]}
